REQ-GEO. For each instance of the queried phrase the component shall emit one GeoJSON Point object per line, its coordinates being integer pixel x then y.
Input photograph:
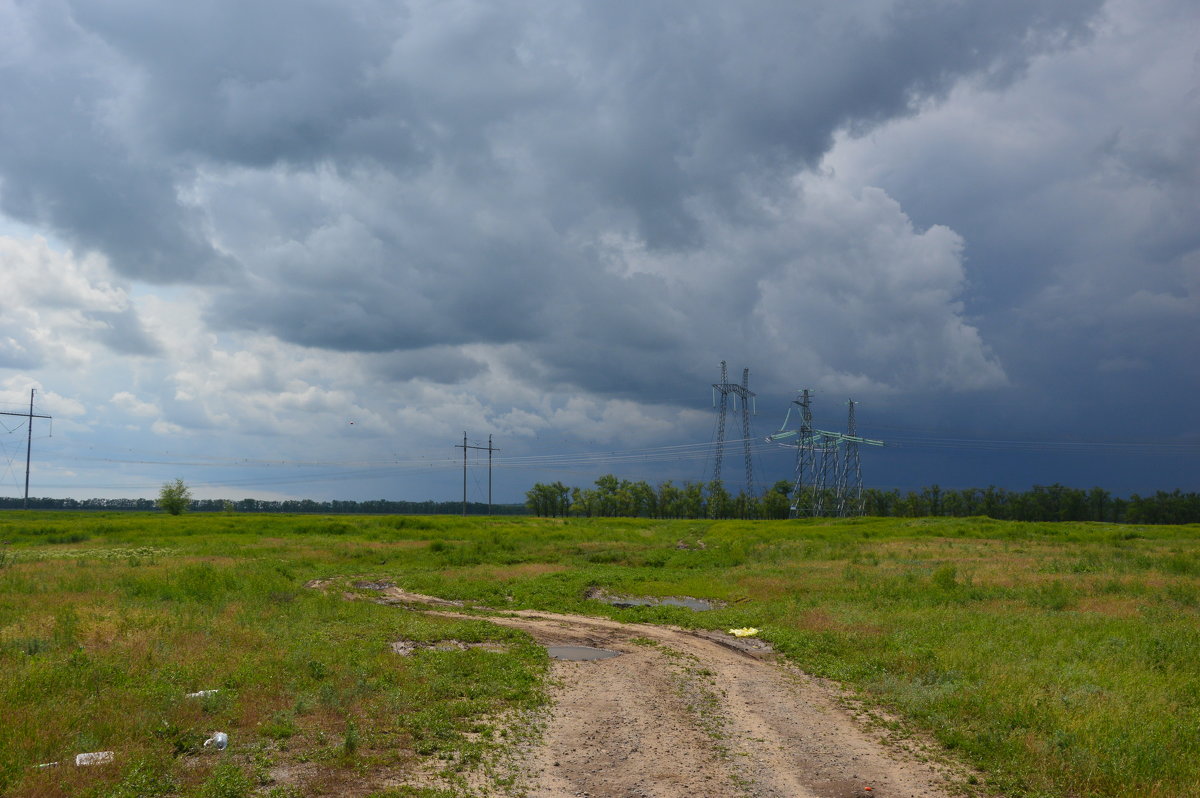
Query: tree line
{"type": "Point", "coordinates": [613, 497]}
{"type": "Point", "coordinates": [610, 496]}
{"type": "Point", "coordinates": [348, 507]}
{"type": "Point", "coordinates": [1040, 503]}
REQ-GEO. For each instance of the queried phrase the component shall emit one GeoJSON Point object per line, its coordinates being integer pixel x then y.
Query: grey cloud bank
{"type": "Point", "coordinates": [432, 215]}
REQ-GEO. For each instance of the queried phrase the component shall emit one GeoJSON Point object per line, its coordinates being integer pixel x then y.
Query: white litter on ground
{"type": "Point", "coordinates": [219, 741]}
{"type": "Point", "coordinates": [94, 758]}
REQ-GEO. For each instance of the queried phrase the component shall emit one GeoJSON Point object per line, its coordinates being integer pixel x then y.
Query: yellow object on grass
{"type": "Point", "coordinates": [745, 631]}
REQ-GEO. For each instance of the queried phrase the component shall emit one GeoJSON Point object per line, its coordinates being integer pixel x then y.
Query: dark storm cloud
{"type": "Point", "coordinates": [643, 104]}
{"type": "Point", "coordinates": [122, 332]}
{"type": "Point", "coordinates": [70, 162]}
{"type": "Point", "coordinates": [445, 365]}
{"type": "Point", "coordinates": [1077, 198]}
{"type": "Point", "coordinates": [249, 83]}
{"type": "Point", "coordinates": [524, 132]}
{"type": "Point", "coordinates": [593, 182]}
{"type": "Point", "coordinates": [389, 269]}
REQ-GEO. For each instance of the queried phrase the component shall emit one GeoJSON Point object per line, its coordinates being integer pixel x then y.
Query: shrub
{"type": "Point", "coordinates": [175, 497]}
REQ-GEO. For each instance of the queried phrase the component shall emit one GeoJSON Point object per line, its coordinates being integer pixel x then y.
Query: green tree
{"type": "Point", "coordinates": [175, 497]}
{"type": "Point", "coordinates": [720, 504]}
{"type": "Point", "coordinates": [670, 501]}
{"type": "Point", "coordinates": [775, 502]}
{"type": "Point", "coordinates": [643, 500]}
{"type": "Point", "coordinates": [585, 501]}
{"type": "Point", "coordinates": [607, 487]}
{"type": "Point", "coordinates": [693, 500]}
{"type": "Point", "coordinates": [562, 499]}
{"type": "Point", "coordinates": [1098, 503]}
{"type": "Point", "coordinates": [744, 505]}
{"type": "Point", "coordinates": [549, 500]}
{"type": "Point", "coordinates": [537, 499]}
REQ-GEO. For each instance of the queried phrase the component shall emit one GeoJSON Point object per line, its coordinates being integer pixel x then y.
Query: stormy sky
{"type": "Point", "coordinates": [297, 248]}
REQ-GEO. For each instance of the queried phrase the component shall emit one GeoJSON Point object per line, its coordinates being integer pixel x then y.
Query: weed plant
{"type": "Point", "coordinates": [1059, 659]}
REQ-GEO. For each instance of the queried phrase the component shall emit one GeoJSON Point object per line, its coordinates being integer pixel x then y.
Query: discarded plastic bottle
{"type": "Point", "coordinates": [219, 741]}
{"type": "Point", "coordinates": [94, 758]}
{"type": "Point", "coordinates": [201, 694]}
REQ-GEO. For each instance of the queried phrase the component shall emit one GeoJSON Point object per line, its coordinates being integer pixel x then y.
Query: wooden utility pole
{"type": "Point", "coordinates": [489, 449]}
{"type": "Point", "coordinates": [29, 417]}
{"type": "Point", "coordinates": [464, 448]}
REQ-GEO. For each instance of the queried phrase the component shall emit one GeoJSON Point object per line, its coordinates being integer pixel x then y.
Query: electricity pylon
{"type": "Point", "coordinates": [744, 398]}
{"type": "Point", "coordinates": [850, 488]}
{"type": "Point", "coordinates": [805, 451]}
{"type": "Point", "coordinates": [823, 476]}
{"type": "Point", "coordinates": [721, 387]}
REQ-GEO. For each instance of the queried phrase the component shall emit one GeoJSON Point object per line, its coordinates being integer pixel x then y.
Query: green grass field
{"type": "Point", "coordinates": [1059, 659]}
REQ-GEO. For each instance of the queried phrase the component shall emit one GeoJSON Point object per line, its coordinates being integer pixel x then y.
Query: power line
{"type": "Point", "coordinates": [918, 438]}
{"type": "Point", "coordinates": [666, 453]}
{"type": "Point", "coordinates": [309, 470]}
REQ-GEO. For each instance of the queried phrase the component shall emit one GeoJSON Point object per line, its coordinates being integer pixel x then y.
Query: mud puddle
{"type": "Point", "coordinates": [624, 602]}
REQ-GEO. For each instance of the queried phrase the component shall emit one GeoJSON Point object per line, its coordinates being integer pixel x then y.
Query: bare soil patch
{"type": "Point", "coordinates": [406, 648]}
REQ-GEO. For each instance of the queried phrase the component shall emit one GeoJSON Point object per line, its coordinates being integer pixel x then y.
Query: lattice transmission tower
{"type": "Point", "coordinates": [743, 399]}
{"type": "Point", "coordinates": [806, 450]}
{"type": "Point", "coordinates": [828, 479]}
{"type": "Point", "coordinates": [850, 487]}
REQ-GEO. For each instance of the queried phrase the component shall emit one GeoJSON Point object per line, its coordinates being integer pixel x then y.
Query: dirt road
{"type": "Point", "coordinates": [681, 715]}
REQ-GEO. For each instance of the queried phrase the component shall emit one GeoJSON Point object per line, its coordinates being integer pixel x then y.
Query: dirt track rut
{"type": "Point", "coordinates": [680, 715]}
